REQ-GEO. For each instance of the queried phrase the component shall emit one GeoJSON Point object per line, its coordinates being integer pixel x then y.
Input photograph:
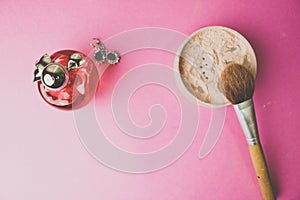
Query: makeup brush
{"type": "Point", "coordinates": [238, 87]}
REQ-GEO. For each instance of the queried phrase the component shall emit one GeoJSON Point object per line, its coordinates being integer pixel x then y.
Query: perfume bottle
{"type": "Point", "coordinates": [66, 79]}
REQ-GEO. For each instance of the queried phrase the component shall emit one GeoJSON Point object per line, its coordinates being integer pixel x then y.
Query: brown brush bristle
{"type": "Point", "coordinates": [237, 83]}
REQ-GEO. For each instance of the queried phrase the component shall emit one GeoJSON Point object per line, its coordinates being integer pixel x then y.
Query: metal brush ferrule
{"type": "Point", "coordinates": [246, 115]}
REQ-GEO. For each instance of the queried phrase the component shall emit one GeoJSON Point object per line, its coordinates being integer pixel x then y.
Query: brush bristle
{"type": "Point", "coordinates": [237, 83]}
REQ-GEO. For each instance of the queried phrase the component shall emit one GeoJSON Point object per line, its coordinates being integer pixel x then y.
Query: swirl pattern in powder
{"type": "Point", "coordinates": [204, 57]}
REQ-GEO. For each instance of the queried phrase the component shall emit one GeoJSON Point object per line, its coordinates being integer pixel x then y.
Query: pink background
{"type": "Point", "coordinates": [40, 152]}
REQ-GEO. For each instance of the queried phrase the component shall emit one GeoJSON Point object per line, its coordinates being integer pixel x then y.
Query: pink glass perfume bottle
{"type": "Point", "coordinates": [67, 79]}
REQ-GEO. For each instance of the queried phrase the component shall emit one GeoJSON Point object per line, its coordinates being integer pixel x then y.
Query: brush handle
{"type": "Point", "coordinates": [262, 173]}
{"type": "Point", "coordinates": [246, 115]}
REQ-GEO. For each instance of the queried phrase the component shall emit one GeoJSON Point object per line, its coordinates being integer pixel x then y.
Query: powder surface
{"type": "Point", "coordinates": [204, 57]}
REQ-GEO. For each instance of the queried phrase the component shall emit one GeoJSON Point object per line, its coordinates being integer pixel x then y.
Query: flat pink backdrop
{"type": "Point", "coordinates": [41, 154]}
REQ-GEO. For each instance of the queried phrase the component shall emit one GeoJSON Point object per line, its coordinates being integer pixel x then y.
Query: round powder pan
{"type": "Point", "coordinates": [203, 56]}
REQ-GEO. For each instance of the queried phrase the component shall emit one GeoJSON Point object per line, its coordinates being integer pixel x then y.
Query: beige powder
{"type": "Point", "coordinates": [204, 57]}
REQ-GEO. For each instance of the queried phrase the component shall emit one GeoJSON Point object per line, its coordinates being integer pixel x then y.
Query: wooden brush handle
{"type": "Point", "coordinates": [259, 162]}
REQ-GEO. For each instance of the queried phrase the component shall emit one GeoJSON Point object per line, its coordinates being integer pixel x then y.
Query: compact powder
{"type": "Point", "coordinates": [203, 57]}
